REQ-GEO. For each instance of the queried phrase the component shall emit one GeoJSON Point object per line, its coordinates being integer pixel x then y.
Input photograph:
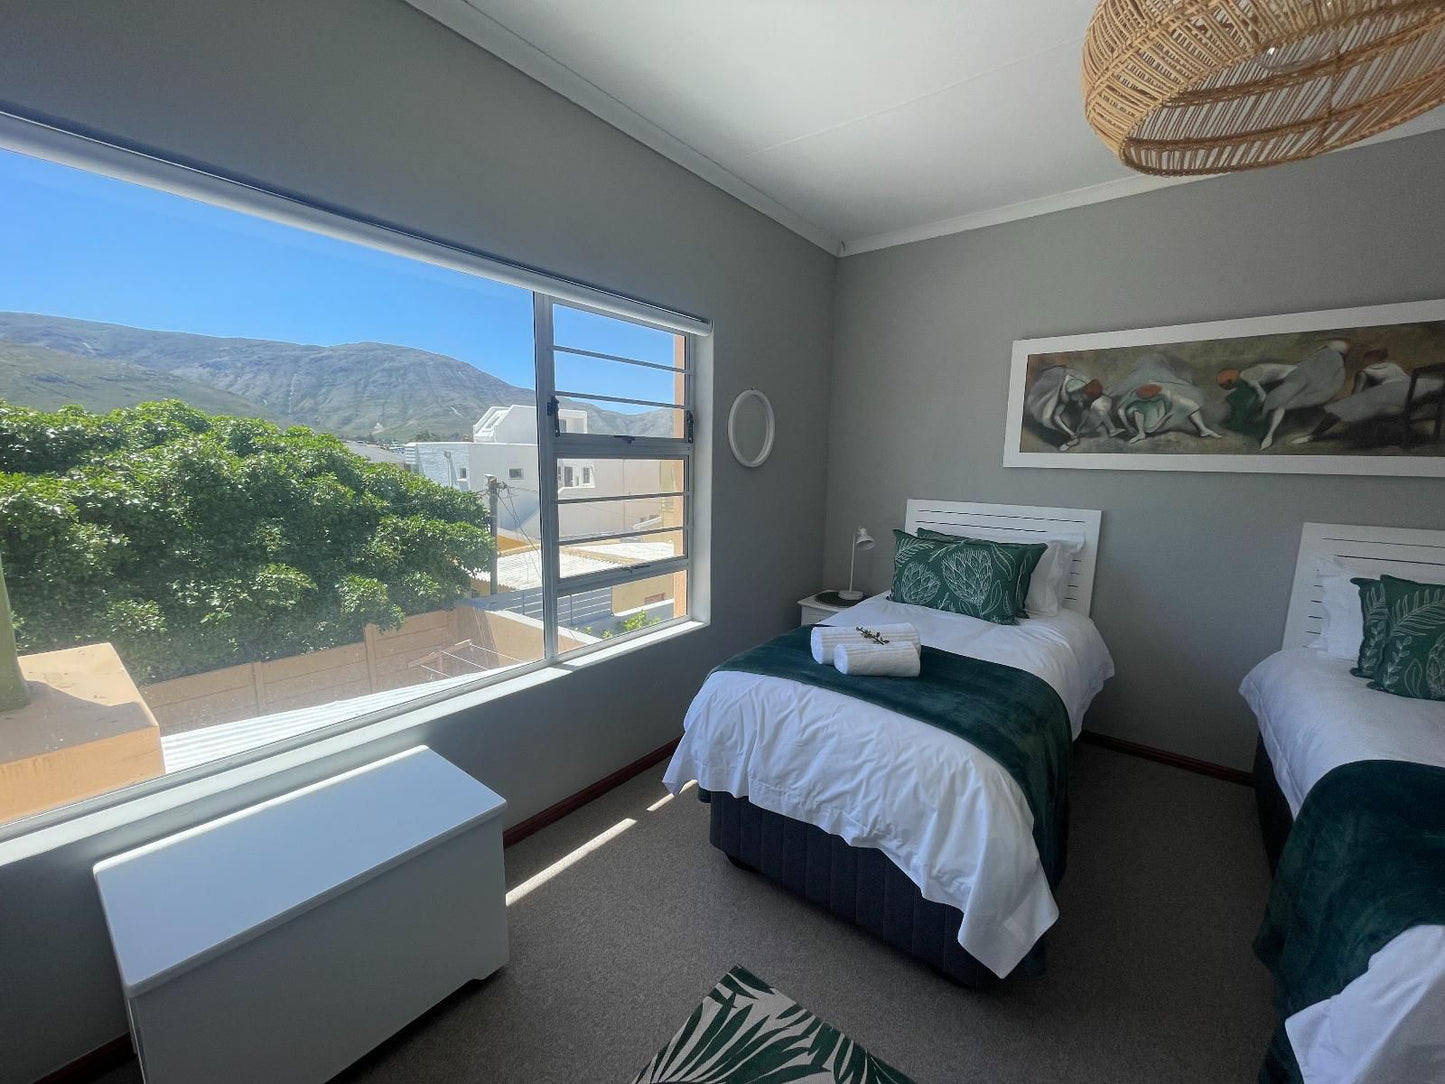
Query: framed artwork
{"type": "Point", "coordinates": [1344, 391]}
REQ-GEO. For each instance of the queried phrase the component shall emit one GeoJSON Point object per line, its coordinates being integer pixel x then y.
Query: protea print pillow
{"type": "Point", "coordinates": [1413, 661]}
{"type": "Point", "coordinates": [1375, 616]}
{"type": "Point", "coordinates": [983, 579]}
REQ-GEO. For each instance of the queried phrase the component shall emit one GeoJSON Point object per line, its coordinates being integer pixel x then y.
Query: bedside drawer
{"type": "Point", "coordinates": [813, 614]}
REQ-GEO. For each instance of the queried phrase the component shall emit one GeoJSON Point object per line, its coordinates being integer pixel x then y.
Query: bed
{"type": "Point", "coordinates": [1318, 724]}
{"type": "Point", "coordinates": [911, 832]}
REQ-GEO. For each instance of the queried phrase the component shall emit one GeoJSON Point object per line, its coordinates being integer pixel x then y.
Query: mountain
{"type": "Point", "coordinates": [377, 391]}
{"type": "Point", "coordinates": [37, 377]}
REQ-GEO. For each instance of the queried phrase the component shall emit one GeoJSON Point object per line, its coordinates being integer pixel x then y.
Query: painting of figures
{"type": "Point", "coordinates": [1350, 391]}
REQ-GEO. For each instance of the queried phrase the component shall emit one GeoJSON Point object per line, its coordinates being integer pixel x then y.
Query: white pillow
{"type": "Point", "coordinates": [1344, 624]}
{"type": "Point", "coordinates": [1050, 580]}
{"type": "Point", "coordinates": [1343, 628]}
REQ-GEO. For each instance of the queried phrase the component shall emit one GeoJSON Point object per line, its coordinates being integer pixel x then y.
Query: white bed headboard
{"type": "Point", "coordinates": [1019, 523]}
{"type": "Point", "coordinates": [1408, 552]}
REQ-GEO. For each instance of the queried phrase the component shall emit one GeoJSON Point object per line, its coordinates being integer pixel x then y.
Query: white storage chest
{"type": "Point", "coordinates": [284, 941]}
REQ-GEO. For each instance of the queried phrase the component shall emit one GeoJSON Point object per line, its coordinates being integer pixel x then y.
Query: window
{"type": "Point", "coordinates": [575, 476]}
{"type": "Point", "coordinates": [236, 456]}
{"type": "Point", "coordinates": [618, 532]}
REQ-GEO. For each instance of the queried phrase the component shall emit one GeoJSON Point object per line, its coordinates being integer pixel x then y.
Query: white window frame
{"type": "Point", "coordinates": [555, 444]}
{"type": "Point", "coordinates": [95, 154]}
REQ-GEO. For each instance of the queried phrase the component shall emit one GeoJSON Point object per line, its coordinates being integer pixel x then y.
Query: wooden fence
{"type": "Point", "coordinates": [426, 647]}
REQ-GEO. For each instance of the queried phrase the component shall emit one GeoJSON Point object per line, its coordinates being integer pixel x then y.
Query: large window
{"type": "Point", "coordinates": [266, 471]}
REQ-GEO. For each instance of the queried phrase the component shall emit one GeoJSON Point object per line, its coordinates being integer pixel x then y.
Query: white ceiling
{"type": "Point", "coordinates": [856, 123]}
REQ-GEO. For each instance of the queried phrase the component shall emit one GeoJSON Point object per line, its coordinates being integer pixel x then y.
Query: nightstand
{"type": "Point", "coordinates": [815, 609]}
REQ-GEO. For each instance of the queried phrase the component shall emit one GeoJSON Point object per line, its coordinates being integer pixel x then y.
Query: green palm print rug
{"type": "Point", "coordinates": [745, 1032]}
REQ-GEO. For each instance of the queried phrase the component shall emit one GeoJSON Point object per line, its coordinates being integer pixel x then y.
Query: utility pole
{"type": "Point", "coordinates": [493, 489]}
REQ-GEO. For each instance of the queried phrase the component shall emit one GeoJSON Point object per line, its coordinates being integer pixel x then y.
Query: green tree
{"type": "Point", "coordinates": [631, 623]}
{"type": "Point", "coordinates": [192, 541]}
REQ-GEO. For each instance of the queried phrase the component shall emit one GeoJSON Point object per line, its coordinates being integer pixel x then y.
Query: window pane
{"type": "Point", "coordinates": [599, 416]}
{"type": "Point", "coordinates": [590, 377]}
{"type": "Point", "coordinates": [585, 558]}
{"type": "Point", "coordinates": [589, 616]}
{"type": "Point", "coordinates": [581, 330]}
{"type": "Point", "coordinates": [622, 501]}
{"type": "Point", "coordinates": [597, 376]}
{"type": "Point", "coordinates": [249, 464]}
{"type": "Point", "coordinates": [594, 495]}
{"type": "Point", "coordinates": [608, 519]}
{"type": "Point", "coordinates": [503, 627]}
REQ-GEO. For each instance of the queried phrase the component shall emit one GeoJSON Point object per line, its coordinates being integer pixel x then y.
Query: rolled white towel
{"type": "Point", "coordinates": [897, 659]}
{"type": "Point", "coordinates": [826, 638]}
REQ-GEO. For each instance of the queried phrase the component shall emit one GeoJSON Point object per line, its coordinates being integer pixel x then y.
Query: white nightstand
{"type": "Point", "coordinates": [815, 609]}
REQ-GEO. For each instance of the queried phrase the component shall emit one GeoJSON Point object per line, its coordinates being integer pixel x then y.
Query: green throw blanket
{"type": "Point", "coordinates": [1364, 862]}
{"type": "Point", "coordinates": [1013, 716]}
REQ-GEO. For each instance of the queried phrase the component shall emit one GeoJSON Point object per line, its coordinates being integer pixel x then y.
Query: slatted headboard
{"type": "Point", "coordinates": [1019, 523]}
{"type": "Point", "coordinates": [1407, 552]}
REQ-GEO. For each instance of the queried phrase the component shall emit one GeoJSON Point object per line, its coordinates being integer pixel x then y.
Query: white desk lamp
{"type": "Point", "coordinates": [862, 540]}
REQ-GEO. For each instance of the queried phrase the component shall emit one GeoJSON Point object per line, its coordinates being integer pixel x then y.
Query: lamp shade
{"type": "Point", "coordinates": [1188, 87]}
{"type": "Point", "coordinates": [862, 540]}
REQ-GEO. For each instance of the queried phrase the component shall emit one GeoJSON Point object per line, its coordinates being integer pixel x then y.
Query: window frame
{"type": "Point", "coordinates": [555, 443]}
{"type": "Point", "coordinates": [101, 154]}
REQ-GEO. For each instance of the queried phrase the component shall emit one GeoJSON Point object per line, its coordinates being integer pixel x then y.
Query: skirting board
{"type": "Point", "coordinates": [118, 1051]}
{"type": "Point", "coordinates": [553, 813]}
{"type": "Point", "coordinates": [1163, 756]}
{"type": "Point", "coordinates": [91, 1066]}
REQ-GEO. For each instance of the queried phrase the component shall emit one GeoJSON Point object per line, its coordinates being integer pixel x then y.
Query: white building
{"type": "Point", "coordinates": [504, 446]}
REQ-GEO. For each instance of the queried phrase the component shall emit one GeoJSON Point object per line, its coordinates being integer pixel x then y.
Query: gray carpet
{"type": "Point", "coordinates": [1150, 972]}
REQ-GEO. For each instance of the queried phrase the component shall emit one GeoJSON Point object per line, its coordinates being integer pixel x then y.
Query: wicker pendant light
{"type": "Point", "coordinates": [1179, 87]}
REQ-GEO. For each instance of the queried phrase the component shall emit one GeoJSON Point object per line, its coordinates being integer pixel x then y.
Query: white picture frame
{"type": "Point", "coordinates": [1428, 462]}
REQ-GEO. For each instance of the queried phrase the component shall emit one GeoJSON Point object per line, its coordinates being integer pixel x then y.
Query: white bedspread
{"type": "Point", "coordinates": [941, 810]}
{"type": "Point", "coordinates": [1388, 1025]}
{"type": "Point", "coordinates": [1314, 715]}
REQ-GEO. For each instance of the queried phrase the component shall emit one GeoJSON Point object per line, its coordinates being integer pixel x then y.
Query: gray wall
{"type": "Point", "coordinates": [1194, 569]}
{"type": "Point", "coordinates": [370, 105]}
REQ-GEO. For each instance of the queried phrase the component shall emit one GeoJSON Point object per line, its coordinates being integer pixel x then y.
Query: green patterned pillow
{"type": "Point", "coordinates": [1026, 548]}
{"type": "Point", "coordinates": [1413, 662]}
{"type": "Point", "coordinates": [1376, 616]}
{"type": "Point", "coordinates": [988, 580]}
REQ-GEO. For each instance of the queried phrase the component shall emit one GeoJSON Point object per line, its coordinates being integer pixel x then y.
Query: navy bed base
{"type": "Point", "coordinates": [1275, 819]}
{"type": "Point", "coordinates": [857, 884]}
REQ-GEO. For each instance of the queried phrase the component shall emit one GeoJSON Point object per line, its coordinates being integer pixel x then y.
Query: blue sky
{"type": "Point", "coordinates": [88, 246]}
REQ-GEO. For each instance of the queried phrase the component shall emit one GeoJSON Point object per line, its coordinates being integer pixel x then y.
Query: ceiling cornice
{"type": "Point", "coordinates": [1132, 185]}
{"type": "Point", "coordinates": [1059, 201]}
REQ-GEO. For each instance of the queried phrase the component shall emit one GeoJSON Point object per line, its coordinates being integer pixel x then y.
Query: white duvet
{"type": "Point", "coordinates": [1388, 1025]}
{"type": "Point", "coordinates": [941, 810]}
{"type": "Point", "coordinates": [1314, 715]}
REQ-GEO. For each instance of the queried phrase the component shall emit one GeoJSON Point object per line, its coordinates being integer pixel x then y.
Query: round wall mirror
{"type": "Point", "coordinates": [750, 428]}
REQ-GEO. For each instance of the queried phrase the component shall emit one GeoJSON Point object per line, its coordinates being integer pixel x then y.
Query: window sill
{"type": "Point", "coordinates": [126, 811]}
